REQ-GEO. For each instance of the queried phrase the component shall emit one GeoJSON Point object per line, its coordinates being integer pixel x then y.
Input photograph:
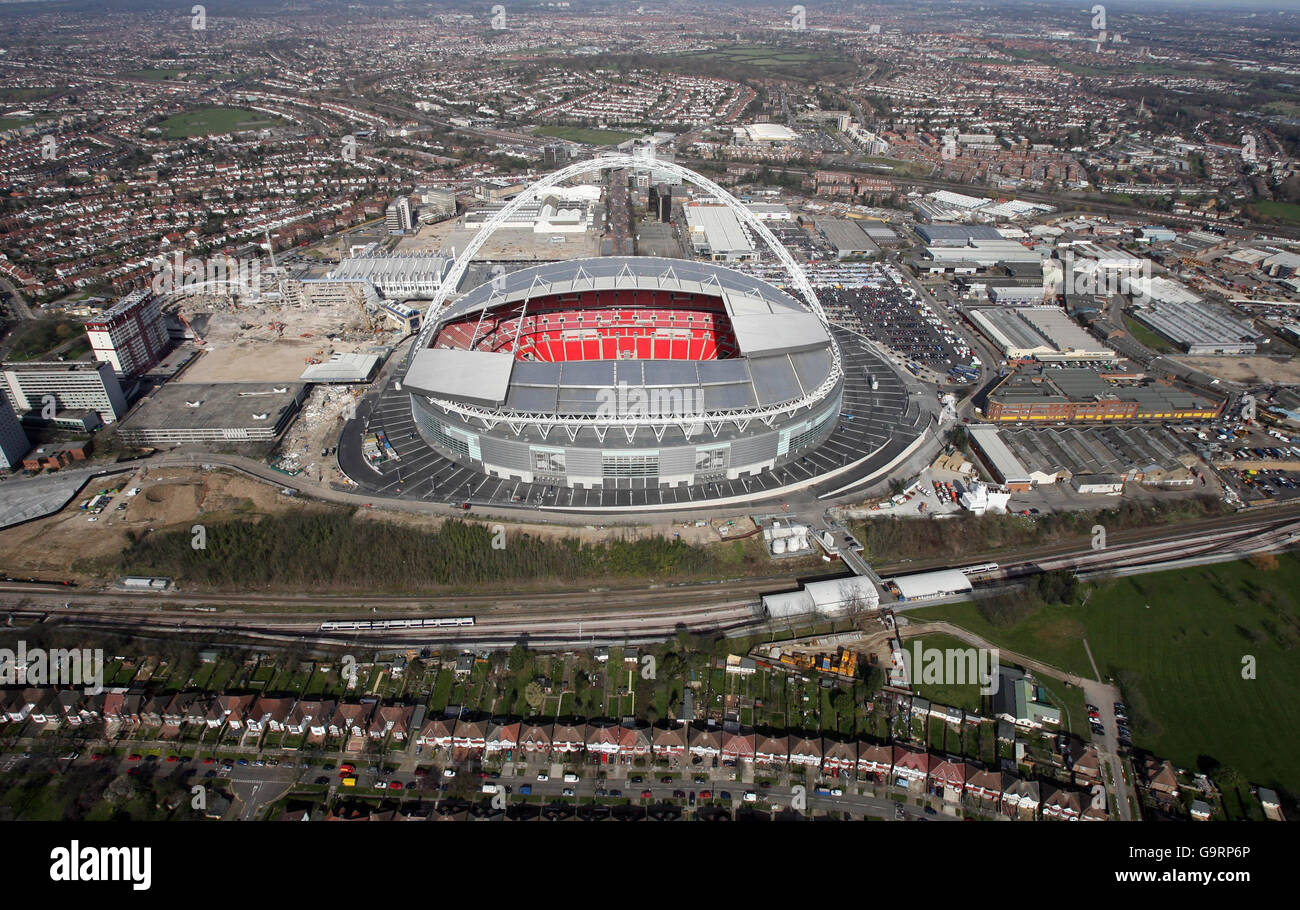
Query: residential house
{"type": "Point", "coordinates": [985, 788]}
{"type": "Point", "coordinates": [912, 767]}
{"type": "Point", "coordinates": [269, 714]}
{"type": "Point", "coordinates": [805, 751]}
{"type": "Point", "coordinates": [502, 737]}
{"type": "Point", "coordinates": [1066, 805]}
{"type": "Point", "coordinates": [69, 703]}
{"type": "Point", "coordinates": [568, 738]}
{"type": "Point", "coordinates": [838, 757]}
{"type": "Point", "coordinates": [1098, 805]}
{"type": "Point", "coordinates": [392, 722]}
{"type": "Point", "coordinates": [738, 746]}
{"type": "Point", "coordinates": [535, 739]}
{"type": "Point", "coordinates": [311, 717]}
{"type": "Point", "coordinates": [948, 779]}
{"type": "Point", "coordinates": [669, 740]}
{"type": "Point", "coordinates": [875, 762]}
{"type": "Point", "coordinates": [229, 710]}
{"type": "Point", "coordinates": [635, 739]}
{"type": "Point", "coordinates": [470, 739]}
{"type": "Point", "coordinates": [602, 738]}
{"type": "Point", "coordinates": [1158, 775]}
{"type": "Point", "coordinates": [351, 718]}
{"type": "Point", "coordinates": [151, 710]}
{"type": "Point", "coordinates": [772, 751]}
{"type": "Point", "coordinates": [1021, 799]}
{"type": "Point", "coordinates": [705, 742]}
{"type": "Point", "coordinates": [438, 732]}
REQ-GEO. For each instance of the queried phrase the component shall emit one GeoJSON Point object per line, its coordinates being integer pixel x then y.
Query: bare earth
{"type": "Point", "coordinates": [178, 497]}
{"type": "Point", "coordinates": [1248, 370]}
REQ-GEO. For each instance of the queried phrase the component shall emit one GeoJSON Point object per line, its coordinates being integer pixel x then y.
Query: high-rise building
{"type": "Point", "coordinates": [131, 335]}
{"type": "Point", "coordinates": [398, 216]}
{"type": "Point", "coordinates": [13, 441]}
{"type": "Point", "coordinates": [76, 385]}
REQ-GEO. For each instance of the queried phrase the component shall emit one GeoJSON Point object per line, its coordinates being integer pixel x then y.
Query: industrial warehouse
{"type": "Point", "coordinates": [1068, 394]}
{"type": "Point", "coordinates": [1039, 333]}
{"type": "Point", "coordinates": [1090, 458]}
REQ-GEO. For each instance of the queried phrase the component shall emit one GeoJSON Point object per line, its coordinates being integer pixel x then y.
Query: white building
{"type": "Point", "coordinates": [716, 233]}
{"type": "Point", "coordinates": [397, 218]}
{"type": "Point", "coordinates": [75, 385]}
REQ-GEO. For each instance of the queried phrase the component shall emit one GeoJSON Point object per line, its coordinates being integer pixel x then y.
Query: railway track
{"type": "Point", "coordinates": [567, 619]}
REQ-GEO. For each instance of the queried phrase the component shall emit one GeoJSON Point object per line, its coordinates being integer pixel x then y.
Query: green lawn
{"type": "Point", "coordinates": [1145, 336]}
{"type": "Point", "coordinates": [214, 120]}
{"type": "Point", "coordinates": [587, 136]}
{"type": "Point", "coordinates": [761, 56]}
{"type": "Point", "coordinates": [1175, 642]}
{"type": "Point", "coordinates": [1278, 211]}
{"type": "Point", "coordinates": [153, 75]}
{"type": "Point", "coordinates": [967, 696]}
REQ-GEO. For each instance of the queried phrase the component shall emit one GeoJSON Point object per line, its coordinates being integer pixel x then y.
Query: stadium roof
{"type": "Point", "coordinates": [785, 348]}
{"type": "Point", "coordinates": [480, 377]}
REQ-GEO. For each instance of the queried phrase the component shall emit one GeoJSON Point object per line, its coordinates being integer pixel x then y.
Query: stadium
{"type": "Point", "coordinates": [634, 382]}
{"type": "Point", "coordinates": [624, 371]}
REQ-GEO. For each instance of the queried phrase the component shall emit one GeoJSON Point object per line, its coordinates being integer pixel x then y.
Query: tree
{"type": "Point", "coordinates": [534, 696]}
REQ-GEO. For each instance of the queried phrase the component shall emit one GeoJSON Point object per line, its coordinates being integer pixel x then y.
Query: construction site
{"type": "Point", "coordinates": [276, 342]}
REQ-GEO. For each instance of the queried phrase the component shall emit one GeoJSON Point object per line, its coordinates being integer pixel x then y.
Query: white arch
{"type": "Point", "coordinates": [606, 163]}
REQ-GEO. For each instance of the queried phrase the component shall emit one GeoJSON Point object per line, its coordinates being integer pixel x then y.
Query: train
{"type": "Point", "coordinates": [369, 624]}
{"type": "Point", "coordinates": [981, 569]}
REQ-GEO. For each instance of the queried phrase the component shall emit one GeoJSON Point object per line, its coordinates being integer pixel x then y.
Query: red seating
{"type": "Point", "coordinates": [604, 325]}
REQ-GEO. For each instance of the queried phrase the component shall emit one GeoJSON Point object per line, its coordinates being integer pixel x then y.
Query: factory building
{"type": "Point", "coordinates": [1092, 459]}
{"type": "Point", "coordinates": [1087, 395]}
{"type": "Point", "coordinates": [1041, 333]}
{"type": "Point", "coordinates": [716, 233]}
{"type": "Point", "coordinates": [1199, 328]}
{"type": "Point", "coordinates": [847, 237]}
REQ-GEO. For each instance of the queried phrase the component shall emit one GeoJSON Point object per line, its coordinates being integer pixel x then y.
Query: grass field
{"type": "Point", "coordinates": [1175, 642]}
{"type": "Point", "coordinates": [1147, 337]}
{"type": "Point", "coordinates": [215, 120]}
{"type": "Point", "coordinates": [761, 56]}
{"type": "Point", "coordinates": [153, 75]}
{"type": "Point", "coordinates": [587, 136]}
{"type": "Point", "coordinates": [1278, 211]}
{"type": "Point", "coordinates": [967, 697]}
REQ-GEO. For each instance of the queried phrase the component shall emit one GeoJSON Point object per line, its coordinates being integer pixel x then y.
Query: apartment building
{"type": "Point", "coordinates": [71, 386]}
{"type": "Point", "coordinates": [13, 441]}
{"type": "Point", "coordinates": [131, 335]}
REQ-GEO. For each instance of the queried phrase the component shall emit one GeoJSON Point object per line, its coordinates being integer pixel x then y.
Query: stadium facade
{"type": "Point", "coordinates": [625, 372]}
